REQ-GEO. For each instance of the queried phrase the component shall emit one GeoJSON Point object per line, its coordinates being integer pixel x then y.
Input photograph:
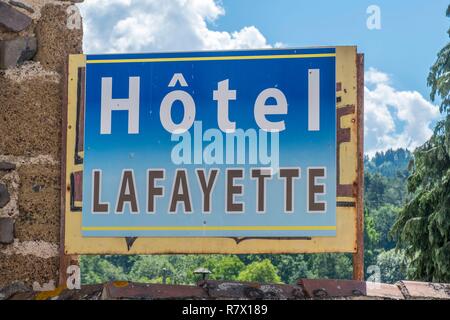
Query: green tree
{"type": "Point", "coordinates": [331, 266]}
{"type": "Point", "coordinates": [423, 226]}
{"type": "Point", "coordinates": [371, 239]}
{"type": "Point", "coordinates": [125, 262]}
{"type": "Point", "coordinates": [388, 163]}
{"type": "Point", "coordinates": [225, 267]}
{"type": "Point", "coordinates": [385, 175]}
{"type": "Point", "coordinates": [96, 269]}
{"type": "Point", "coordinates": [291, 267]}
{"type": "Point", "coordinates": [260, 271]}
{"type": "Point", "coordinates": [184, 266]}
{"type": "Point", "coordinates": [383, 220]}
{"type": "Point", "coordinates": [150, 269]}
{"type": "Point", "coordinates": [392, 265]}
{"type": "Point", "coordinates": [375, 187]}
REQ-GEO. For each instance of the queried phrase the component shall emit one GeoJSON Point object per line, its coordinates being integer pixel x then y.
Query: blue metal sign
{"type": "Point", "coordinates": [210, 144]}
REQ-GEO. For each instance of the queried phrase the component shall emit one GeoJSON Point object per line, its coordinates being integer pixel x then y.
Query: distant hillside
{"type": "Point", "coordinates": [385, 192]}
{"type": "Point", "coordinates": [389, 163]}
{"type": "Point", "coordinates": [385, 178]}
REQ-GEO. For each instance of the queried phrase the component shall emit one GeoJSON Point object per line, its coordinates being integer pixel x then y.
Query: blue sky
{"type": "Point", "coordinates": [406, 45]}
{"type": "Point", "coordinates": [398, 56]}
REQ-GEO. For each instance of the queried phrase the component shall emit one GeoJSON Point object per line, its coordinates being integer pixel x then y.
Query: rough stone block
{"type": "Point", "coordinates": [7, 166]}
{"type": "Point", "coordinates": [424, 290]}
{"type": "Point", "coordinates": [128, 290]}
{"type": "Point", "coordinates": [12, 19]}
{"type": "Point", "coordinates": [4, 195]}
{"type": "Point", "coordinates": [56, 40]}
{"type": "Point", "coordinates": [6, 230]}
{"type": "Point", "coordinates": [39, 208]}
{"type": "Point", "coordinates": [28, 269]}
{"type": "Point", "coordinates": [21, 5]}
{"type": "Point", "coordinates": [378, 290]}
{"type": "Point", "coordinates": [16, 51]}
{"type": "Point", "coordinates": [30, 116]}
{"type": "Point", "coordinates": [12, 289]}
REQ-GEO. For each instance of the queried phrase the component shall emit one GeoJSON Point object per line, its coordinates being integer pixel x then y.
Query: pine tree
{"type": "Point", "coordinates": [423, 225]}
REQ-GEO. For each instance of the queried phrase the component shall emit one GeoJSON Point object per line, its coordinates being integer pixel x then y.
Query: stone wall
{"type": "Point", "coordinates": [36, 37]}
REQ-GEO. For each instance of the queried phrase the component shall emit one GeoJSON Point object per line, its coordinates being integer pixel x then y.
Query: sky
{"type": "Point", "coordinates": [398, 52]}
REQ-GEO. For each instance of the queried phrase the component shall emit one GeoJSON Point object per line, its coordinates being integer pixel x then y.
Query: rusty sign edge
{"type": "Point", "coordinates": [345, 241]}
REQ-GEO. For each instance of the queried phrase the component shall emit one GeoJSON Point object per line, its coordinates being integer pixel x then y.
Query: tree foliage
{"type": "Point", "coordinates": [439, 76]}
{"type": "Point", "coordinates": [150, 267]}
{"type": "Point", "coordinates": [389, 164]}
{"type": "Point", "coordinates": [384, 178]}
{"type": "Point", "coordinates": [260, 271]}
{"type": "Point", "coordinates": [97, 269]}
{"type": "Point", "coordinates": [393, 265]}
{"type": "Point", "coordinates": [385, 192]}
{"type": "Point", "coordinates": [226, 267]}
{"type": "Point", "coordinates": [423, 226]}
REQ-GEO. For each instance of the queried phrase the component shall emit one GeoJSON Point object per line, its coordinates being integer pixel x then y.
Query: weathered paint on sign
{"type": "Point", "coordinates": [228, 144]}
{"type": "Point", "coordinates": [348, 185]}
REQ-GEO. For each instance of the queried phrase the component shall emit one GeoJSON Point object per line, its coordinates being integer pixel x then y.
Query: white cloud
{"type": "Point", "coordinates": [393, 118]}
{"type": "Point", "coordinates": [160, 25]}
{"type": "Point", "coordinates": [373, 76]}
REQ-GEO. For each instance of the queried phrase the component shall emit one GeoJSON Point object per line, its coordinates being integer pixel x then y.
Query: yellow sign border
{"type": "Point", "coordinates": [256, 57]}
{"type": "Point", "coordinates": [346, 216]}
{"type": "Point", "coordinates": [208, 228]}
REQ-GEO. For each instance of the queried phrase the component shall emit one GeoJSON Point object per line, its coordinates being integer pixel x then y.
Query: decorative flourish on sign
{"type": "Point", "coordinates": [130, 241]}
